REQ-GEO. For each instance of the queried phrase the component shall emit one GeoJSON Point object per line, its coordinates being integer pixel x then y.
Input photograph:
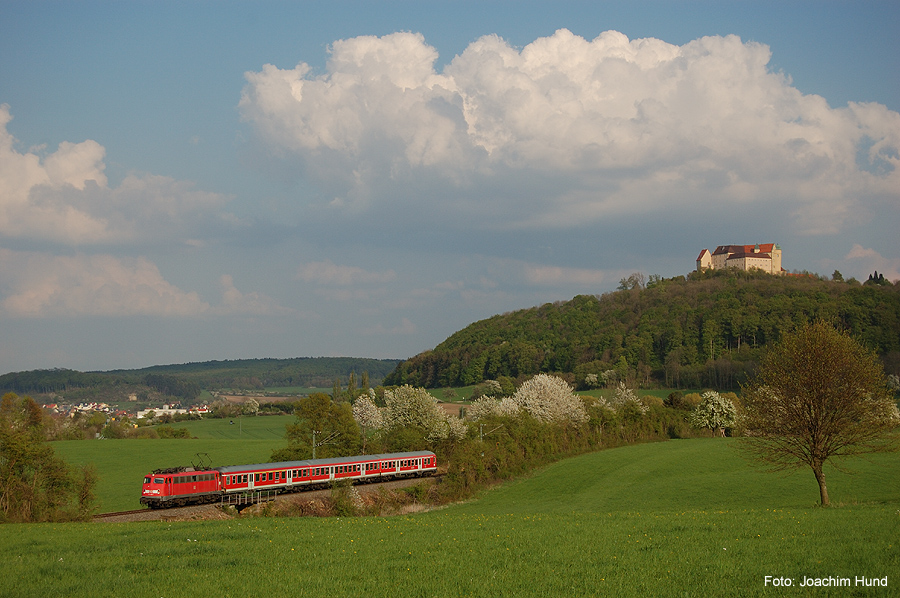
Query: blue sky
{"type": "Point", "coordinates": [185, 181]}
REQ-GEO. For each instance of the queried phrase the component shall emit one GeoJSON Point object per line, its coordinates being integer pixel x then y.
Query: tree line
{"type": "Point", "coordinates": [708, 329]}
{"type": "Point", "coordinates": [186, 380]}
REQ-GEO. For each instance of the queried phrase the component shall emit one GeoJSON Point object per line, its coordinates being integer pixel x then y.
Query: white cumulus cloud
{"type": "Point", "coordinates": [869, 261]}
{"type": "Point", "coordinates": [41, 285]}
{"type": "Point", "coordinates": [64, 197]}
{"type": "Point", "coordinates": [567, 130]}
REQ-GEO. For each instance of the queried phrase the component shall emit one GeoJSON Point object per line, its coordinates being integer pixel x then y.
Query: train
{"type": "Point", "coordinates": [182, 486]}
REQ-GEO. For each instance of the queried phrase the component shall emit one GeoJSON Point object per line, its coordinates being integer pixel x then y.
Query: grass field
{"type": "Point", "coordinates": [679, 518]}
{"type": "Point", "coordinates": [122, 464]}
{"type": "Point", "coordinates": [262, 427]}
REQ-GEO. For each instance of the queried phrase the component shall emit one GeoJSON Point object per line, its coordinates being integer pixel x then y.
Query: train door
{"type": "Point", "coordinates": [250, 479]}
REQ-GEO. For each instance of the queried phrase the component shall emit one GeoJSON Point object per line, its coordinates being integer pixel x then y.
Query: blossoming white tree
{"type": "Point", "coordinates": [408, 406]}
{"type": "Point", "coordinates": [490, 406]}
{"type": "Point", "coordinates": [547, 398]}
{"type": "Point", "coordinates": [714, 412]}
{"type": "Point", "coordinates": [550, 399]}
{"type": "Point", "coordinates": [624, 397]}
{"type": "Point", "coordinates": [366, 412]}
{"type": "Point", "coordinates": [367, 415]}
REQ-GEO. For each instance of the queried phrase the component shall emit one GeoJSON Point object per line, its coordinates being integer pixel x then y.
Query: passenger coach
{"type": "Point", "coordinates": [165, 488]}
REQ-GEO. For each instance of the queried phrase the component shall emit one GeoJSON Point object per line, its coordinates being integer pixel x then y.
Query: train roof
{"type": "Point", "coordinates": [321, 462]}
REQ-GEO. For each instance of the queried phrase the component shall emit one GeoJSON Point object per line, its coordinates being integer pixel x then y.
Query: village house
{"type": "Point", "coordinates": [765, 257]}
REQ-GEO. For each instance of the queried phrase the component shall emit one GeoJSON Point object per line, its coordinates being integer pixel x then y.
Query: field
{"type": "Point", "coordinates": [679, 518]}
{"type": "Point", "coordinates": [122, 464]}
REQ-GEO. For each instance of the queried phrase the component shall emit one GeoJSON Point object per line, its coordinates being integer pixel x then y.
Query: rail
{"type": "Point", "coordinates": [245, 499]}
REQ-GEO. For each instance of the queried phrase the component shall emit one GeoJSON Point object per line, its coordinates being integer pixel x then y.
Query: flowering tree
{"type": "Point", "coordinates": [624, 397]}
{"type": "Point", "coordinates": [489, 406]}
{"type": "Point", "coordinates": [550, 399]}
{"type": "Point", "coordinates": [408, 406]}
{"type": "Point", "coordinates": [367, 414]}
{"type": "Point", "coordinates": [714, 412]}
{"type": "Point", "coordinates": [250, 407]}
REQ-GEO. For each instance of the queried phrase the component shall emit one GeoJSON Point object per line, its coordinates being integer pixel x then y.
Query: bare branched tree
{"type": "Point", "coordinates": [819, 396]}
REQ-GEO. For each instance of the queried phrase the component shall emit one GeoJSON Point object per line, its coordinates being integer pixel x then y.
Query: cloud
{"type": "Point", "coordinates": [41, 285]}
{"type": "Point", "coordinates": [235, 302]}
{"type": "Point", "coordinates": [328, 273]}
{"type": "Point", "coordinates": [63, 197]}
{"type": "Point", "coordinates": [869, 261]}
{"type": "Point", "coordinates": [567, 131]}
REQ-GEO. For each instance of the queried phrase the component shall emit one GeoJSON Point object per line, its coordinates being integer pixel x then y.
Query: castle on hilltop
{"type": "Point", "coordinates": [765, 257]}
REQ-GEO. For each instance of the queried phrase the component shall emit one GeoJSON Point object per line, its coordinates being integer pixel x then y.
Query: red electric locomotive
{"type": "Point", "coordinates": [183, 486]}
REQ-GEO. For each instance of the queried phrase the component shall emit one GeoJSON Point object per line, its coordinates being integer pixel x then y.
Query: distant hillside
{"type": "Point", "coordinates": [704, 330]}
{"type": "Point", "coordinates": [186, 379]}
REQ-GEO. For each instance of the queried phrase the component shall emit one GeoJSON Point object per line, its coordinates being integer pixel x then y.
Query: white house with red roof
{"type": "Point", "coordinates": [762, 256]}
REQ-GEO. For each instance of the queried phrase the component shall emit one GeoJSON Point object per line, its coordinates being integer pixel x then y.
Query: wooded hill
{"type": "Point", "coordinates": [186, 380]}
{"type": "Point", "coordinates": [704, 330]}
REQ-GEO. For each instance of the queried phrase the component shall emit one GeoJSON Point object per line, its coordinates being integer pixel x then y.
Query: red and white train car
{"type": "Point", "coordinates": [178, 488]}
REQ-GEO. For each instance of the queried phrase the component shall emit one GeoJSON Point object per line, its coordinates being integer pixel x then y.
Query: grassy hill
{"type": "Point", "coordinates": [679, 518]}
{"type": "Point", "coordinates": [706, 330]}
{"type": "Point", "coordinates": [695, 474]}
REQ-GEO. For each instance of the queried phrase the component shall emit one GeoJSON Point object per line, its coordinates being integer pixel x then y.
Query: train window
{"type": "Point", "coordinates": [270, 476]}
{"type": "Point", "coordinates": [245, 478]}
{"type": "Point", "coordinates": [159, 481]}
{"type": "Point", "coordinates": [146, 480]}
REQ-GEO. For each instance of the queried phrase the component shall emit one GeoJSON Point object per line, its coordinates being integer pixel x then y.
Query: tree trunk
{"type": "Point", "coordinates": [823, 489]}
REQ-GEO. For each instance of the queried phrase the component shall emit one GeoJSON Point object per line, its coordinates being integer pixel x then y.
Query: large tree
{"type": "Point", "coordinates": [35, 484]}
{"type": "Point", "coordinates": [819, 396]}
{"type": "Point", "coordinates": [327, 423]}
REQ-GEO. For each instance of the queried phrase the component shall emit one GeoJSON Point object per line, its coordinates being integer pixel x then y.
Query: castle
{"type": "Point", "coordinates": [765, 257]}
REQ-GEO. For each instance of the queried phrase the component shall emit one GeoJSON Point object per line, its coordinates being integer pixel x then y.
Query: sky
{"type": "Point", "coordinates": [193, 181]}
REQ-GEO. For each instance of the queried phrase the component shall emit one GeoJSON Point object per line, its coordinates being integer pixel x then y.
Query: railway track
{"type": "Point", "coordinates": [120, 514]}
{"type": "Point", "coordinates": [147, 514]}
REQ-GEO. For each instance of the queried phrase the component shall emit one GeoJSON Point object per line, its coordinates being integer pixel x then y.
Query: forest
{"type": "Point", "coordinates": [708, 329]}
{"type": "Point", "coordinates": [186, 380]}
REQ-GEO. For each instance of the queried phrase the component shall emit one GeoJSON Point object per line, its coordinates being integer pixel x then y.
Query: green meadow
{"type": "Point", "coordinates": [677, 518]}
{"type": "Point", "coordinates": [122, 464]}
